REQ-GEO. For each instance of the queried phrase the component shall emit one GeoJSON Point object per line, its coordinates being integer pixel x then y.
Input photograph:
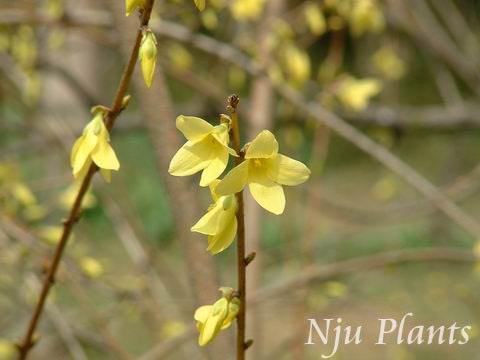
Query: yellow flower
{"type": "Point", "coordinates": [265, 171]}
{"type": "Point", "coordinates": [315, 19]}
{"type": "Point", "coordinates": [245, 10]}
{"type": "Point", "coordinates": [211, 319]}
{"type": "Point", "coordinates": [389, 64]}
{"type": "Point", "coordinates": [148, 56]}
{"type": "Point", "coordinates": [91, 267]}
{"type": "Point", "coordinates": [366, 16]}
{"type": "Point", "coordinates": [355, 94]}
{"type": "Point", "coordinates": [206, 149]}
{"type": "Point", "coordinates": [200, 4]}
{"type": "Point", "coordinates": [220, 222]}
{"type": "Point", "coordinates": [94, 145]}
{"type": "Point", "coordinates": [132, 5]}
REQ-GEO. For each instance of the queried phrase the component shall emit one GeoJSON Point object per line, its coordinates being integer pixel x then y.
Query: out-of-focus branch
{"type": "Point", "coordinates": [330, 271]}
{"type": "Point", "coordinates": [462, 115]}
{"type": "Point", "coordinates": [65, 331]}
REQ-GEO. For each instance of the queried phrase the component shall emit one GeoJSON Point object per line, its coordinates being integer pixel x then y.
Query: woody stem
{"type": "Point", "coordinates": [241, 263]}
{"type": "Point", "coordinates": [27, 342]}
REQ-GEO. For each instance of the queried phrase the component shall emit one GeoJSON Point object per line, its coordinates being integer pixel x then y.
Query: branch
{"type": "Point", "coordinates": [74, 214]}
{"type": "Point", "coordinates": [330, 271]}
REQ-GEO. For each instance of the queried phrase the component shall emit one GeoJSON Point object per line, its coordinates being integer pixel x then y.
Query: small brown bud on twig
{"type": "Point", "coordinates": [232, 102]}
{"type": "Point", "coordinates": [248, 343]}
{"type": "Point", "coordinates": [250, 257]}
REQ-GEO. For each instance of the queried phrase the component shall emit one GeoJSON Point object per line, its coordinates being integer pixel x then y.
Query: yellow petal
{"type": "Point", "coordinates": [200, 4]}
{"type": "Point", "coordinates": [106, 174]}
{"type": "Point", "coordinates": [193, 128]}
{"type": "Point", "coordinates": [233, 309]}
{"type": "Point", "coordinates": [201, 314]}
{"type": "Point", "coordinates": [148, 56]}
{"type": "Point", "coordinates": [225, 236]}
{"type": "Point", "coordinates": [216, 167]}
{"type": "Point", "coordinates": [268, 194]}
{"type": "Point", "coordinates": [148, 70]}
{"type": "Point", "coordinates": [103, 154]}
{"type": "Point", "coordinates": [191, 158]}
{"type": "Point", "coordinates": [214, 322]}
{"type": "Point", "coordinates": [83, 171]}
{"type": "Point", "coordinates": [74, 152]}
{"type": "Point", "coordinates": [83, 150]}
{"type": "Point", "coordinates": [130, 6]}
{"type": "Point", "coordinates": [235, 180]}
{"type": "Point", "coordinates": [212, 187]}
{"type": "Point", "coordinates": [287, 171]}
{"type": "Point", "coordinates": [263, 146]}
{"type": "Point", "coordinates": [209, 224]}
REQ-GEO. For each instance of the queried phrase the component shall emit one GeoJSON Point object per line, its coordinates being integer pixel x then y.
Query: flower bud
{"type": "Point", "coordinates": [148, 56]}
{"type": "Point", "coordinates": [131, 5]}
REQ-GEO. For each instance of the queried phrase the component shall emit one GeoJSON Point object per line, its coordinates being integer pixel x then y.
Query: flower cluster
{"type": "Point", "coordinates": [261, 167]}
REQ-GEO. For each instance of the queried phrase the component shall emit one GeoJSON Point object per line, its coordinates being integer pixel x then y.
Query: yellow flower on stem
{"type": "Point", "coordinates": [94, 145]}
{"type": "Point", "coordinates": [206, 149]}
{"type": "Point", "coordinates": [211, 319]}
{"type": "Point", "coordinates": [220, 222]}
{"type": "Point", "coordinates": [264, 170]}
{"type": "Point", "coordinates": [131, 5]}
{"type": "Point", "coordinates": [148, 56]}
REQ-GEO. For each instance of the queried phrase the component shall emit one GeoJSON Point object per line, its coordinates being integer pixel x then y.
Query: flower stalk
{"type": "Point", "coordinates": [118, 105]}
{"type": "Point", "coordinates": [232, 104]}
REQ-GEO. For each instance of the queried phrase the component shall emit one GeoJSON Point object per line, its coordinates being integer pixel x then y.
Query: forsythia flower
{"type": "Point", "coordinates": [366, 16]}
{"type": "Point", "coordinates": [356, 93]}
{"type": "Point", "coordinates": [94, 145]}
{"type": "Point", "coordinates": [131, 5]}
{"type": "Point", "coordinates": [148, 56]}
{"type": "Point", "coordinates": [220, 222]}
{"type": "Point", "coordinates": [245, 10]}
{"type": "Point", "coordinates": [206, 149]}
{"type": "Point", "coordinates": [315, 19]}
{"type": "Point", "coordinates": [200, 4]}
{"type": "Point", "coordinates": [389, 64]}
{"type": "Point", "coordinates": [265, 171]}
{"type": "Point", "coordinates": [213, 318]}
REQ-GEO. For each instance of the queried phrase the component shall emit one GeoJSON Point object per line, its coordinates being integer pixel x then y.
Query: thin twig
{"type": "Point", "coordinates": [361, 264]}
{"type": "Point", "coordinates": [232, 104]}
{"type": "Point", "coordinates": [73, 217]}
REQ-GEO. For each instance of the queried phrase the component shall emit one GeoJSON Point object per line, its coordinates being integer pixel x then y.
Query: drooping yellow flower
{"type": "Point", "coordinates": [265, 171]}
{"type": "Point", "coordinates": [148, 56]}
{"type": "Point", "coordinates": [132, 5]}
{"type": "Point", "coordinates": [206, 149]}
{"type": "Point", "coordinates": [220, 222]}
{"type": "Point", "coordinates": [200, 4]}
{"type": "Point", "coordinates": [94, 145]}
{"type": "Point", "coordinates": [211, 319]}
{"type": "Point", "coordinates": [355, 94]}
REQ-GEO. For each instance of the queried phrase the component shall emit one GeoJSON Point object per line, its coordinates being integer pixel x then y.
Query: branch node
{"type": "Point", "coordinates": [248, 343]}
{"type": "Point", "coordinates": [250, 257]}
{"type": "Point", "coordinates": [232, 103]}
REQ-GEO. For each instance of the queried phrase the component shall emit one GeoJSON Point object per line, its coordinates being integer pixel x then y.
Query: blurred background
{"type": "Point", "coordinates": [379, 98]}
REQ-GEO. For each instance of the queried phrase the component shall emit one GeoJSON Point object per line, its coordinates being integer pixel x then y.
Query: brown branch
{"type": "Point", "coordinates": [74, 214]}
{"type": "Point", "coordinates": [232, 103]}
